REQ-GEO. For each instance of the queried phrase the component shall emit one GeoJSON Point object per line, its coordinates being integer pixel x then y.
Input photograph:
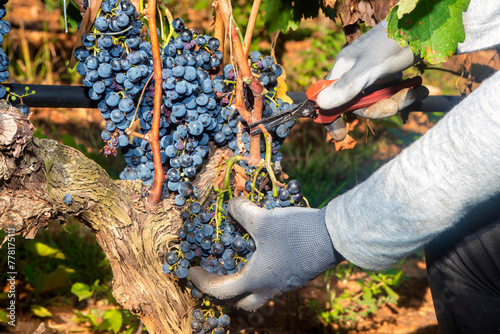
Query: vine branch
{"type": "Point", "coordinates": [245, 73]}
{"type": "Point", "coordinates": [154, 134]}
{"type": "Point", "coordinates": [251, 25]}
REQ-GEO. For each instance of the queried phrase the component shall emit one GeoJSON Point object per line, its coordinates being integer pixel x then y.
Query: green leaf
{"type": "Point", "coordinates": [3, 316]}
{"type": "Point", "coordinates": [56, 279]}
{"type": "Point", "coordinates": [405, 7]}
{"type": "Point", "coordinates": [391, 293]}
{"type": "Point", "coordinates": [112, 321]}
{"type": "Point", "coordinates": [82, 291]}
{"type": "Point", "coordinates": [280, 16]}
{"type": "Point", "coordinates": [329, 12]}
{"type": "Point", "coordinates": [69, 141]}
{"type": "Point", "coordinates": [306, 9]}
{"type": "Point", "coordinates": [40, 311]}
{"type": "Point", "coordinates": [42, 249]}
{"type": "Point", "coordinates": [432, 29]}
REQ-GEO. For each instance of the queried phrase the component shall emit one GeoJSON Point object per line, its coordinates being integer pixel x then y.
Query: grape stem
{"type": "Point", "coordinates": [230, 162]}
{"type": "Point", "coordinates": [255, 139]}
{"type": "Point", "coordinates": [110, 33]}
{"type": "Point", "coordinates": [154, 134]}
{"type": "Point", "coordinates": [130, 132]}
{"type": "Point", "coordinates": [254, 180]}
{"type": "Point", "coordinates": [269, 146]}
{"type": "Point", "coordinates": [251, 26]}
{"type": "Point", "coordinates": [239, 103]}
{"type": "Point", "coordinates": [219, 34]}
{"type": "Point", "coordinates": [139, 103]}
{"type": "Point", "coordinates": [245, 73]}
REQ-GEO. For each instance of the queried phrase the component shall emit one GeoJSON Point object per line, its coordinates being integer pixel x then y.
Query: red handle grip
{"type": "Point", "coordinates": [360, 101]}
{"type": "Point", "coordinates": [314, 90]}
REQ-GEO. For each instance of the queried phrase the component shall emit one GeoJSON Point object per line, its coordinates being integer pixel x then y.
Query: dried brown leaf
{"type": "Point", "coordinates": [351, 125]}
{"type": "Point", "coordinates": [382, 7]}
{"type": "Point", "coordinates": [219, 178]}
{"type": "Point", "coordinates": [239, 183]}
{"type": "Point", "coordinates": [346, 144]}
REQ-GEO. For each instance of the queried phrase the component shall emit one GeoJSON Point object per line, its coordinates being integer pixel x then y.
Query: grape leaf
{"type": "Point", "coordinates": [433, 29]}
{"type": "Point", "coordinates": [82, 291]}
{"type": "Point", "coordinates": [41, 249]}
{"type": "Point", "coordinates": [280, 16]}
{"type": "Point", "coordinates": [40, 311]}
{"type": "Point", "coordinates": [305, 9]}
{"type": "Point", "coordinates": [405, 7]}
{"type": "Point", "coordinates": [329, 12]}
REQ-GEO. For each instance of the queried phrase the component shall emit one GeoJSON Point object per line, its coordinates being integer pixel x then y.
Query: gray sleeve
{"type": "Point", "coordinates": [482, 26]}
{"type": "Point", "coordinates": [426, 189]}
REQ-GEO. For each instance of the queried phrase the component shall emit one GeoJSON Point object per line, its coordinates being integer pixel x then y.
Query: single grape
{"type": "Point", "coordinates": [68, 199]}
{"type": "Point", "coordinates": [178, 24]}
{"type": "Point", "coordinates": [224, 320]}
{"type": "Point", "coordinates": [171, 258]}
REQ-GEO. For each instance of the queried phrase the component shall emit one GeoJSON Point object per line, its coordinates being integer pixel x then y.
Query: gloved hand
{"type": "Point", "coordinates": [293, 247]}
{"type": "Point", "coordinates": [372, 58]}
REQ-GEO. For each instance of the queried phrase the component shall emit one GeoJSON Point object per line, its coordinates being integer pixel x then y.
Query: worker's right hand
{"type": "Point", "coordinates": [372, 58]}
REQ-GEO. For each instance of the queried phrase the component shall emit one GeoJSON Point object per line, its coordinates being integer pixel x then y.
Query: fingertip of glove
{"type": "Point", "coordinates": [252, 302]}
{"type": "Point", "coordinates": [222, 287]}
{"type": "Point", "coordinates": [242, 208]}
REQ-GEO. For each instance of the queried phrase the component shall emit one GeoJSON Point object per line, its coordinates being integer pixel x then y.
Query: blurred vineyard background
{"type": "Point", "coordinates": [64, 278]}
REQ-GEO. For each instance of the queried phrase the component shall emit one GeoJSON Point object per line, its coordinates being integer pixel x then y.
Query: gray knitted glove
{"type": "Point", "coordinates": [373, 57]}
{"type": "Point", "coordinates": [293, 247]}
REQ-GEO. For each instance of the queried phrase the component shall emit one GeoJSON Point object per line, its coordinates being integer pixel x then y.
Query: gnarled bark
{"type": "Point", "coordinates": [35, 174]}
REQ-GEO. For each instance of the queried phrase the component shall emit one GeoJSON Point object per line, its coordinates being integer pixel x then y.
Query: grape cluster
{"type": "Point", "coordinates": [208, 323]}
{"type": "Point", "coordinates": [4, 59]}
{"type": "Point", "coordinates": [268, 73]}
{"type": "Point", "coordinates": [117, 64]}
{"type": "Point", "coordinates": [291, 195]}
{"type": "Point", "coordinates": [220, 247]}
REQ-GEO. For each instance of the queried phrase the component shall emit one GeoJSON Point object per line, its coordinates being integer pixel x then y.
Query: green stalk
{"type": "Point", "coordinates": [230, 162]}
{"type": "Point", "coordinates": [254, 180]}
{"type": "Point", "coordinates": [170, 28]}
{"type": "Point", "coordinates": [269, 145]}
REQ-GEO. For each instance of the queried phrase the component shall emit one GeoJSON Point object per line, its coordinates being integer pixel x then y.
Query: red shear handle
{"type": "Point", "coordinates": [314, 90]}
{"type": "Point", "coordinates": [360, 101]}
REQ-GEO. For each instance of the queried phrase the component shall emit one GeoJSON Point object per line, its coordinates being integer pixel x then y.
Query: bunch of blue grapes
{"type": "Point", "coordinates": [290, 195]}
{"type": "Point", "coordinates": [4, 59]}
{"type": "Point", "coordinates": [117, 64]}
{"type": "Point", "coordinates": [220, 247]}
{"type": "Point", "coordinates": [208, 323]}
{"type": "Point", "coordinates": [267, 72]}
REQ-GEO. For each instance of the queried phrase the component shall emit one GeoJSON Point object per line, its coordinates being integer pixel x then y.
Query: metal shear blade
{"type": "Point", "coordinates": [303, 109]}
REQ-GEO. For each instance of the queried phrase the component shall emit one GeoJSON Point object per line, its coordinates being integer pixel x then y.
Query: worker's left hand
{"type": "Point", "coordinates": [293, 247]}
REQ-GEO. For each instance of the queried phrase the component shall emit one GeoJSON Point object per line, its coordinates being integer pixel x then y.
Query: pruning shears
{"type": "Point", "coordinates": [309, 108]}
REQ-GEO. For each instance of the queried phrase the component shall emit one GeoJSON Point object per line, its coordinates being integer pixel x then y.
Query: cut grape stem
{"type": "Point", "coordinates": [255, 138]}
{"type": "Point", "coordinates": [154, 134]}
{"type": "Point", "coordinates": [130, 132]}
